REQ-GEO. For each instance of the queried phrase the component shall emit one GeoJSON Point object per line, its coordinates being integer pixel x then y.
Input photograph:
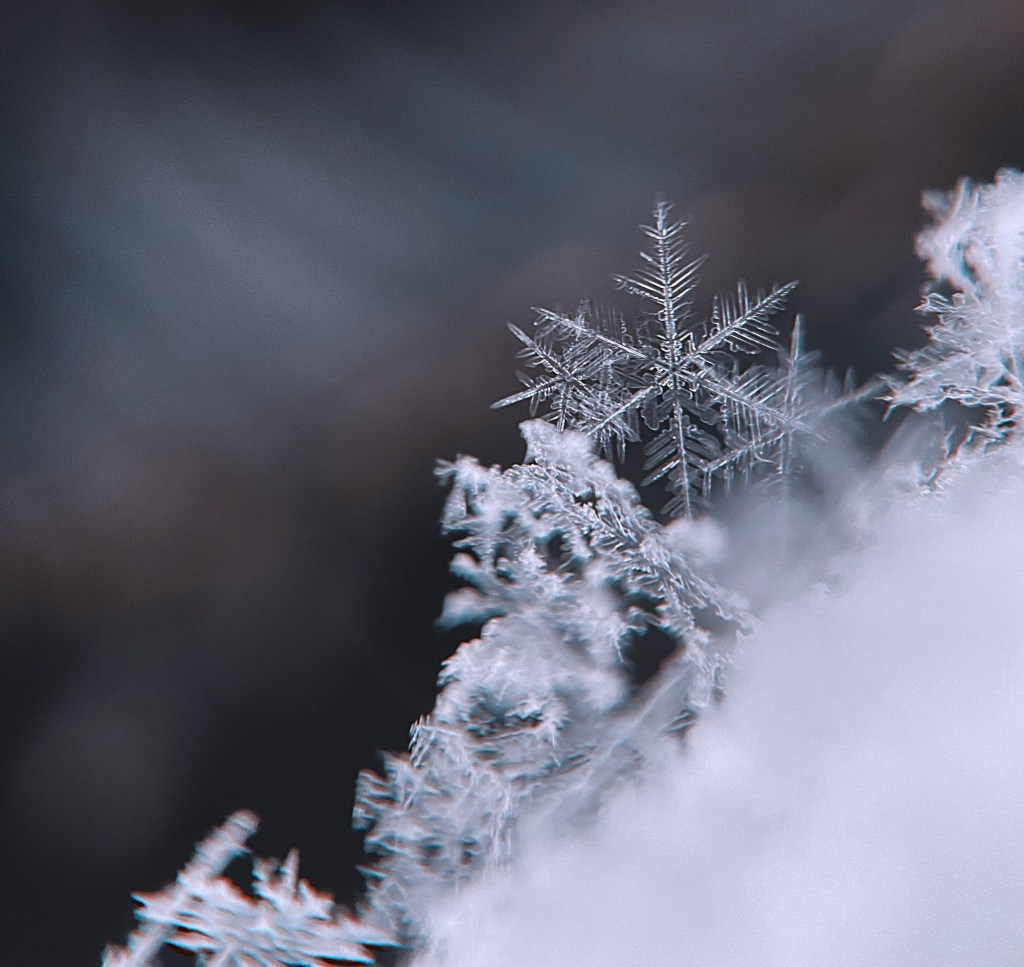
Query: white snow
{"type": "Point", "coordinates": [857, 801]}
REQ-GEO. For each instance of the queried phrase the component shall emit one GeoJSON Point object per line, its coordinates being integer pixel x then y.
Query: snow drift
{"type": "Point", "coordinates": [858, 800]}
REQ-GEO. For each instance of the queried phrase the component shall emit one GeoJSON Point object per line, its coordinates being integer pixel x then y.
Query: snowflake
{"type": "Point", "coordinates": [287, 924]}
{"type": "Point", "coordinates": [565, 569]}
{"type": "Point", "coordinates": [678, 371]}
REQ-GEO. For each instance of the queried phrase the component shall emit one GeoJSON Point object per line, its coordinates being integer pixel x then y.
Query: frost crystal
{"type": "Point", "coordinates": [807, 397]}
{"type": "Point", "coordinates": [678, 371]}
{"type": "Point", "coordinates": [564, 572]}
{"type": "Point", "coordinates": [287, 924]}
{"type": "Point", "coordinates": [565, 568]}
{"type": "Point", "coordinates": [975, 252]}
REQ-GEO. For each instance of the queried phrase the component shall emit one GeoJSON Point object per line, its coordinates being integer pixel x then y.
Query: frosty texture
{"type": "Point", "coordinates": [564, 569]}
{"type": "Point", "coordinates": [204, 913]}
{"type": "Point", "coordinates": [975, 257]}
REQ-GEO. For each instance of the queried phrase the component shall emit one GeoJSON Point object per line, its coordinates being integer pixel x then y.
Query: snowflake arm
{"type": "Point", "coordinates": [537, 390]}
{"type": "Point", "coordinates": [742, 326]}
{"type": "Point", "coordinates": [670, 280]}
{"type": "Point", "coordinates": [584, 366]}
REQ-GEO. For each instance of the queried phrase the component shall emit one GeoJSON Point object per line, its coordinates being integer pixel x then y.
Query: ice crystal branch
{"type": "Point", "coordinates": [286, 924]}
{"type": "Point", "coordinates": [678, 372]}
{"type": "Point", "coordinates": [808, 398]}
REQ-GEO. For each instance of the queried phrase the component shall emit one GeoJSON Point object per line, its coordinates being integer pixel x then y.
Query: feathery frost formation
{"type": "Point", "coordinates": [975, 256]}
{"type": "Point", "coordinates": [564, 572]}
{"type": "Point", "coordinates": [565, 567]}
{"type": "Point", "coordinates": [287, 923]}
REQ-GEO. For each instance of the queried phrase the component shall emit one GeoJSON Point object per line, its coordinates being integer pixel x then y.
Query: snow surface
{"type": "Point", "coordinates": [857, 800]}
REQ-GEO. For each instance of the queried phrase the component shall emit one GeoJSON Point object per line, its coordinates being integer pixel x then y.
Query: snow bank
{"type": "Point", "coordinates": [857, 800]}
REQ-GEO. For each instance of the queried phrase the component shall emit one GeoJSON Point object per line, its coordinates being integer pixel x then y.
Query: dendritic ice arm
{"type": "Point", "coordinates": [678, 372]}
{"type": "Point", "coordinates": [584, 361]}
{"type": "Point", "coordinates": [286, 923]}
{"type": "Point", "coordinates": [772, 451]}
{"type": "Point", "coordinates": [692, 376]}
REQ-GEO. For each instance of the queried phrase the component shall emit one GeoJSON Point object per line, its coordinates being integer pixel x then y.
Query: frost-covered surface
{"type": "Point", "coordinates": [565, 567]}
{"type": "Point", "coordinates": [974, 252]}
{"type": "Point", "coordinates": [856, 800]}
{"type": "Point", "coordinates": [285, 923]}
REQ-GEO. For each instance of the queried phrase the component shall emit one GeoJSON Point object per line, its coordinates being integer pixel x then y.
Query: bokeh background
{"type": "Point", "coordinates": [256, 262]}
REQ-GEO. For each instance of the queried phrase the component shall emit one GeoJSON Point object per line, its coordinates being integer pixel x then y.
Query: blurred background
{"type": "Point", "coordinates": [256, 262]}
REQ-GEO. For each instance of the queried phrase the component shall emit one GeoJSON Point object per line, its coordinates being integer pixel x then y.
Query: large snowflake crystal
{"type": "Point", "coordinates": [677, 371]}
